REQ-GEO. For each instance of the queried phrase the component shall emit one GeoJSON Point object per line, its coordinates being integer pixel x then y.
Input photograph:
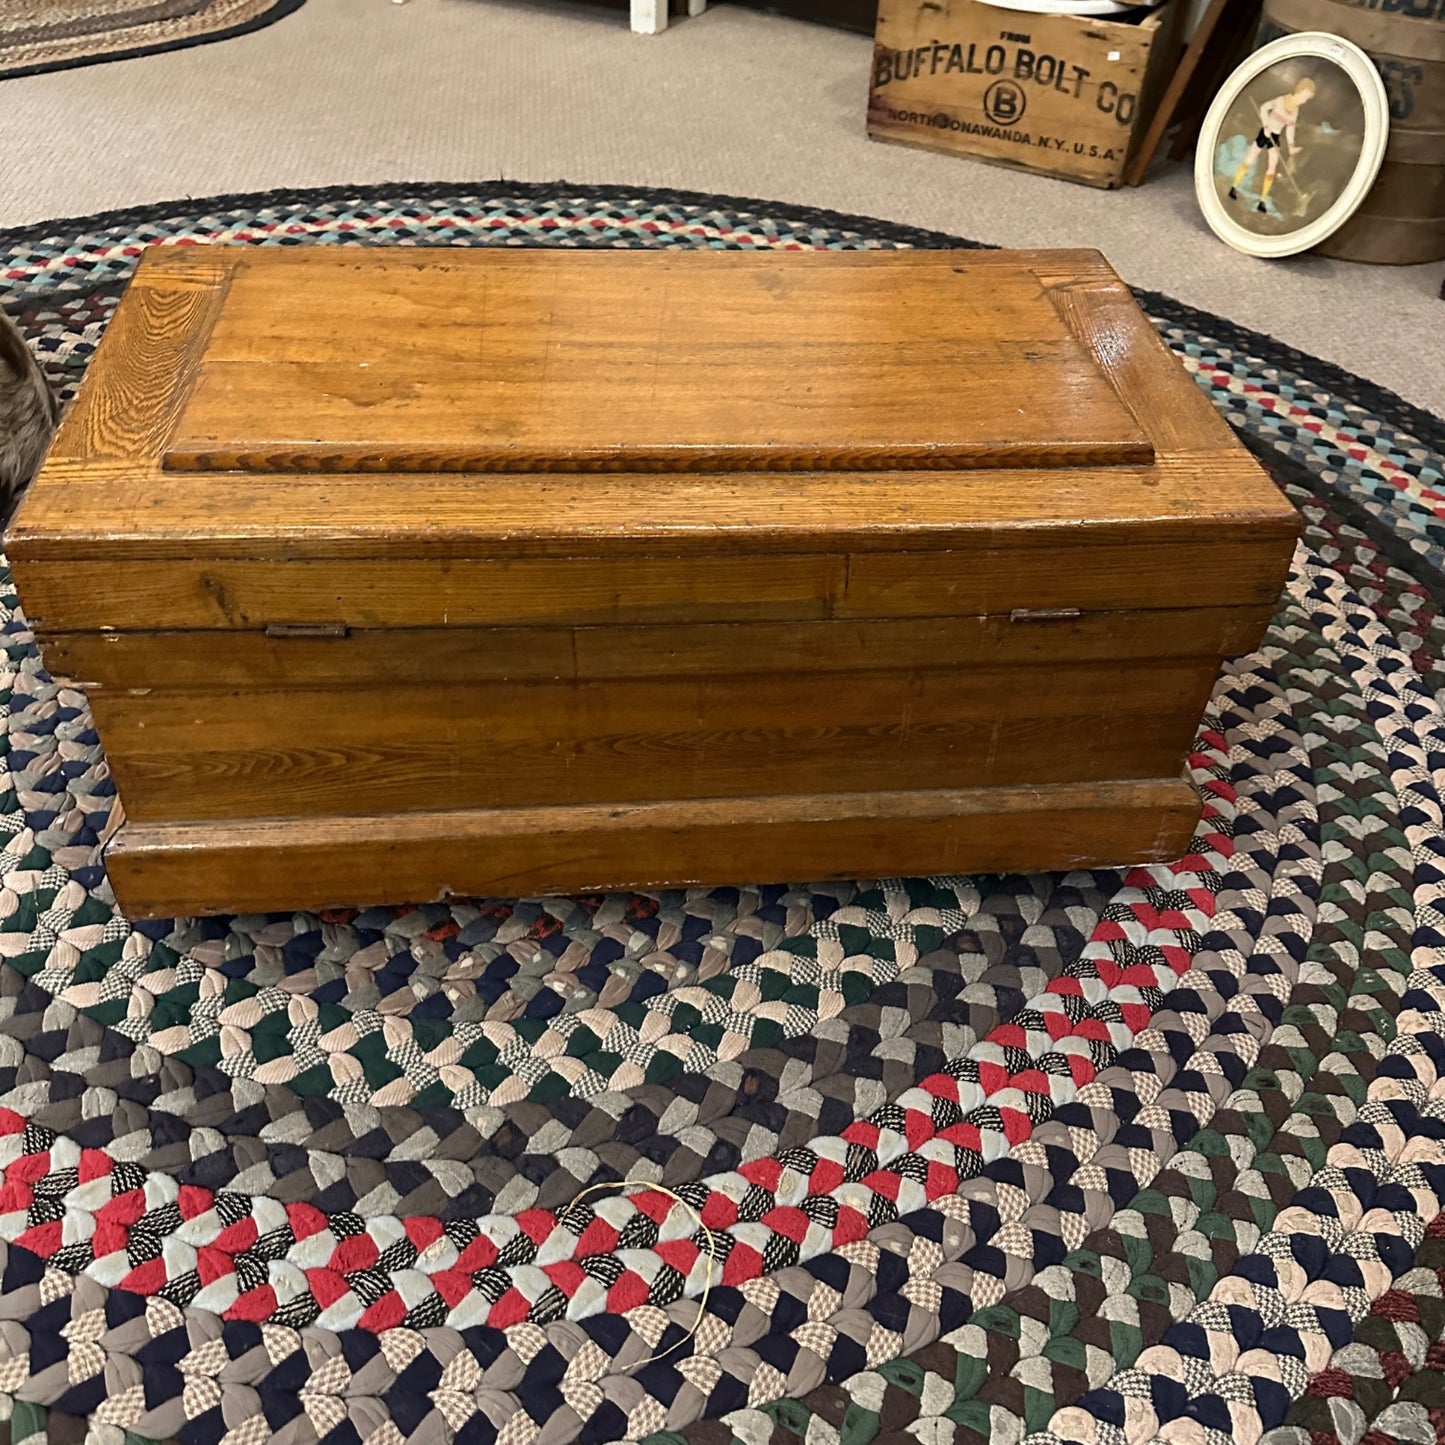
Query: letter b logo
{"type": "Point", "coordinates": [1004, 102]}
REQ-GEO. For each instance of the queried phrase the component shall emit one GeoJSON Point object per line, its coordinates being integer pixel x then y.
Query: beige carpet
{"type": "Point", "coordinates": [731, 102]}
{"type": "Point", "coordinates": [40, 34]}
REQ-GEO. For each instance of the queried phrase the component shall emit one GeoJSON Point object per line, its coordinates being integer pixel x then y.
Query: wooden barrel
{"type": "Point", "coordinates": [1402, 220]}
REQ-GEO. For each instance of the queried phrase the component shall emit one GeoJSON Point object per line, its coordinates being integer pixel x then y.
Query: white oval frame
{"type": "Point", "coordinates": [1082, 9]}
{"type": "Point", "coordinates": [1361, 69]}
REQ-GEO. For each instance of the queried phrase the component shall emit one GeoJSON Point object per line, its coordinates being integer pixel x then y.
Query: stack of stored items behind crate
{"type": "Point", "coordinates": [1402, 220]}
{"type": "Point", "coordinates": [1094, 90]}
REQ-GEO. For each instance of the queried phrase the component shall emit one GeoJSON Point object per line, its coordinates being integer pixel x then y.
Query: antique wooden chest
{"type": "Point", "coordinates": [396, 573]}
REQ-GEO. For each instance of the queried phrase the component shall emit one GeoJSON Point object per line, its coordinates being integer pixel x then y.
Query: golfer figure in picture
{"type": "Point", "coordinates": [1277, 120]}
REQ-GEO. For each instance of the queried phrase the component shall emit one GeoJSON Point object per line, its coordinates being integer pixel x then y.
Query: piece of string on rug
{"type": "Point", "coordinates": [638, 1184]}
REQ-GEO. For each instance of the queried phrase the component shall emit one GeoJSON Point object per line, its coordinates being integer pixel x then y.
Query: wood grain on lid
{"type": "Point", "coordinates": [567, 361]}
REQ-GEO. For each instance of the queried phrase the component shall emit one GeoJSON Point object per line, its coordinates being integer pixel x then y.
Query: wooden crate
{"type": "Point", "coordinates": [396, 573]}
{"type": "Point", "coordinates": [1054, 93]}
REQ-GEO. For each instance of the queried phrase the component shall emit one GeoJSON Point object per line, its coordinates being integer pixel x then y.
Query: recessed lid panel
{"type": "Point", "coordinates": [627, 361]}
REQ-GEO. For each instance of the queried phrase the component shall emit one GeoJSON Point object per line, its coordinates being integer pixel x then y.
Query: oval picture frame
{"type": "Point", "coordinates": [1084, 9]}
{"type": "Point", "coordinates": [1326, 50]}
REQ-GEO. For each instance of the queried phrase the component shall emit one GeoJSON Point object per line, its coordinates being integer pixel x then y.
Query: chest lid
{"type": "Point", "coordinates": [607, 361]}
{"type": "Point", "coordinates": [351, 406]}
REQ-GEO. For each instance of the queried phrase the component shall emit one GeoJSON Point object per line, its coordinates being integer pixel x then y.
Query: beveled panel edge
{"type": "Point", "coordinates": [328, 459]}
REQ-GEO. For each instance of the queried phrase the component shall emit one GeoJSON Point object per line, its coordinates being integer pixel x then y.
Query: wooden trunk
{"type": "Point", "coordinates": [399, 573]}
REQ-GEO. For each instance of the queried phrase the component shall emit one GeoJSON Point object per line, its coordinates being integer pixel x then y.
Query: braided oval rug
{"type": "Point", "coordinates": [1105, 1157]}
{"type": "Point", "coordinates": [42, 35]}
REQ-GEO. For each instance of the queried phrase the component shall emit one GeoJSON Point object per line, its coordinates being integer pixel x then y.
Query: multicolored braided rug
{"type": "Point", "coordinates": [1097, 1158]}
{"type": "Point", "coordinates": [42, 35]}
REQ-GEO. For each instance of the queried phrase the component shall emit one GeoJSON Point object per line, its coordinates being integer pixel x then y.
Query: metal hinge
{"type": "Point", "coordinates": [1042, 614]}
{"type": "Point", "coordinates": [306, 629]}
